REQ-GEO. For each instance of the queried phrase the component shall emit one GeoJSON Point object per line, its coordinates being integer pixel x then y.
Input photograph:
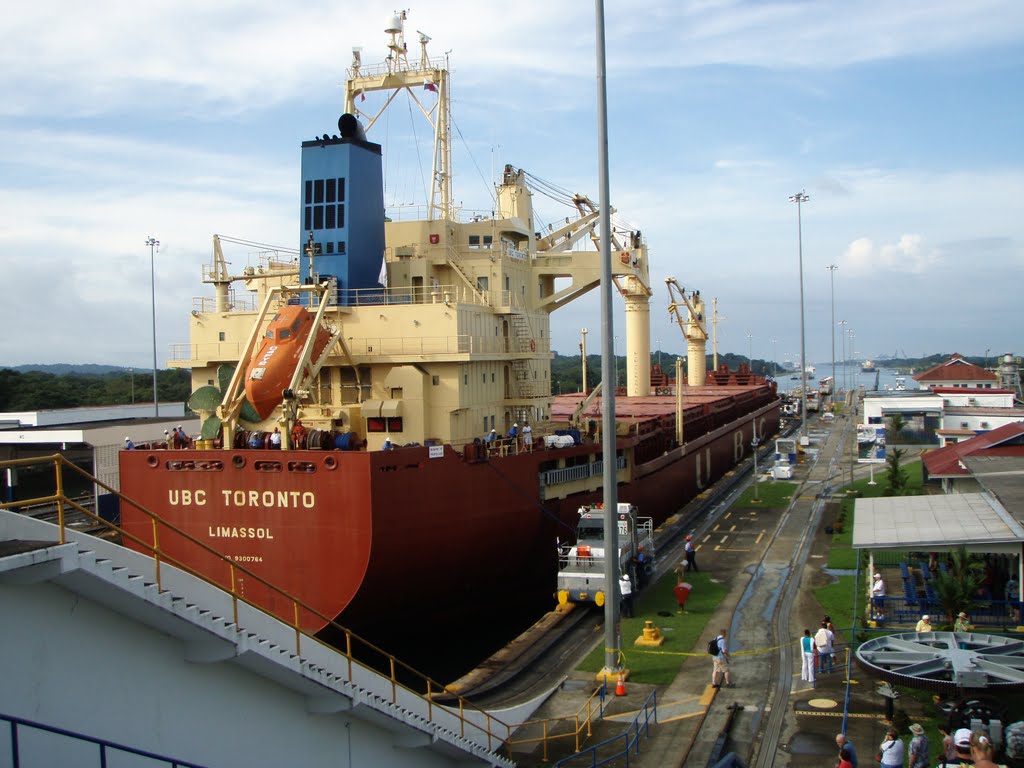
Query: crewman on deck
{"type": "Point", "coordinates": [128, 444]}
{"type": "Point", "coordinates": [275, 439]}
{"type": "Point", "coordinates": [298, 435]}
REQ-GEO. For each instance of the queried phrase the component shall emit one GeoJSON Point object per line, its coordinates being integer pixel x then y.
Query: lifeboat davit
{"type": "Point", "coordinates": [273, 364]}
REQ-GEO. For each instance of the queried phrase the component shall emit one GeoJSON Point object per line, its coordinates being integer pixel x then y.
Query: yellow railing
{"type": "Point", "coordinates": [579, 723]}
{"type": "Point", "coordinates": [496, 731]}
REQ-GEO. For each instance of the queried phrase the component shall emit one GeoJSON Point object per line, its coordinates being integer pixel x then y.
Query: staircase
{"type": "Point", "coordinates": [214, 627]}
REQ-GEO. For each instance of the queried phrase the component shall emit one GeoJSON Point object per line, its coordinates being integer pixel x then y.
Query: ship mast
{"type": "Point", "coordinates": [418, 77]}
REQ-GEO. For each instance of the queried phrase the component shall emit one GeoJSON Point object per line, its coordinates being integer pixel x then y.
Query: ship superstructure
{"type": "Point", "coordinates": [442, 325]}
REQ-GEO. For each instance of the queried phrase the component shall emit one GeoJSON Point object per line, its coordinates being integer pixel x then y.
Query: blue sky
{"type": "Point", "coordinates": [902, 121]}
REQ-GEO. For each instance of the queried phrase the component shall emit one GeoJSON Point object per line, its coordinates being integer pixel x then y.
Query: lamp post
{"type": "Point", "coordinates": [754, 442]}
{"type": "Point", "coordinates": [775, 363]}
{"type": "Point", "coordinates": [842, 338]}
{"type": "Point", "coordinates": [154, 245]}
{"type": "Point", "coordinates": [800, 198]}
{"type": "Point", "coordinates": [832, 280]}
{"type": "Point", "coordinates": [750, 351]}
{"type": "Point", "coordinates": [131, 373]}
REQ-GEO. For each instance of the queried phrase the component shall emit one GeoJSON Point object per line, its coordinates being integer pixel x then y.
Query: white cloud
{"type": "Point", "coordinates": [908, 254]}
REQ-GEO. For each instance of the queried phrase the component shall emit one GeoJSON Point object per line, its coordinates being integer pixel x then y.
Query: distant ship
{"type": "Point", "coordinates": [426, 470]}
{"type": "Point", "coordinates": [867, 366]}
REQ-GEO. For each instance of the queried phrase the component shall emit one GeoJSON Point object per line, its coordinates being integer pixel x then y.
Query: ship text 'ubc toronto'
{"type": "Point", "coordinates": [282, 499]}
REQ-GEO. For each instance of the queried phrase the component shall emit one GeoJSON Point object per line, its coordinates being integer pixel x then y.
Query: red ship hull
{"type": "Point", "coordinates": [410, 546]}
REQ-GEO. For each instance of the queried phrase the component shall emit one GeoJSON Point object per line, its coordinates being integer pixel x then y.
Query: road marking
{"type": "Point", "coordinates": [732, 529]}
{"type": "Point", "coordinates": [759, 537]}
{"type": "Point", "coordinates": [727, 515]}
{"type": "Point", "coordinates": [715, 528]}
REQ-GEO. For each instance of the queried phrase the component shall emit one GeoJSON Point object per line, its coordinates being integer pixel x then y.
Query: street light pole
{"type": "Point", "coordinates": [832, 280]}
{"type": "Point", "coordinates": [800, 198]}
{"type": "Point", "coordinates": [154, 245]}
{"type": "Point", "coordinates": [750, 351]}
{"type": "Point", "coordinates": [775, 359]}
{"type": "Point", "coordinates": [754, 442]}
{"type": "Point", "coordinates": [842, 337]}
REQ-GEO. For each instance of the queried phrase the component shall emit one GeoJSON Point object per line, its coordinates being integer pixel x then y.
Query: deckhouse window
{"type": "Point", "coordinates": [284, 334]}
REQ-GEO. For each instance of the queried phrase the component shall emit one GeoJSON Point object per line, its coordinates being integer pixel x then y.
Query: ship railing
{"type": "Point", "coordinates": [237, 302]}
{"type": "Point", "coordinates": [578, 472]}
{"type": "Point", "coordinates": [398, 346]}
{"type": "Point", "coordinates": [463, 718]}
{"type": "Point", "coordinates": [413, 66]}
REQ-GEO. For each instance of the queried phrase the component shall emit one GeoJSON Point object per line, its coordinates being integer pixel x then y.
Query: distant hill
{"type": "Point", "coordinates": [61, 369]}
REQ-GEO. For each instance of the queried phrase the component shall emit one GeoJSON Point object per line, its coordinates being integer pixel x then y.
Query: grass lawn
{"type": "Point", "coordinates": [658, 666]}
{"type": "Point", "coordinates": [774, 493]}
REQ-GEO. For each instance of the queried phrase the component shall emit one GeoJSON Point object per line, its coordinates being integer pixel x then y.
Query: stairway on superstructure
{"type": "Point", "coordinates": [93, 645]}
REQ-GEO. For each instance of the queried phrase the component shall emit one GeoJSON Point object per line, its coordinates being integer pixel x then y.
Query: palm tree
{"type": "Point", "coordinates": [956, 588]}
{"type": "Point", "coordinates": [895, 475]}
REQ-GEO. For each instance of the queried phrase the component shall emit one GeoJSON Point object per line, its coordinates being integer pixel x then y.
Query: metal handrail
{"type": "Point", "coordinates": [103, 744]}
{"type": "Point", "coordinates": [432, 686]}
{"type": "Point", "coordinates": [630, 737]}
{"type": "Point", "coordinates": [580, 722]}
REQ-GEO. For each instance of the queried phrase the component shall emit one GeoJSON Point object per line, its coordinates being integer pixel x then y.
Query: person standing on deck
{"type": "Point", "coordinates": [275, 439]}
{"type": "Point", "coordinates": [528, 437]}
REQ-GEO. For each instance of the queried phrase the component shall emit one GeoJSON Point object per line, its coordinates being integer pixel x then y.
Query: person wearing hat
{"type": "Point", "coordinates": [962, 747]}
{"type": "Point", "coordinates": [691, 555]}
{"type": "Point", "coordinates": [167, 438]}
{"type": "Point", "coordinates": [918, 747]}
{"type": "Point", "coordinates": [626, 591]}
{"type": "Point", "coordinates": [877, 597]}
{"type": "Point", "coordinates": [182, 437]}
{"type": "Point", "coordinates": [924, 625]}
{"type": "Point", "coordinates": [962, 624]}
{"type": "Point", "coordinates": [128, 444]}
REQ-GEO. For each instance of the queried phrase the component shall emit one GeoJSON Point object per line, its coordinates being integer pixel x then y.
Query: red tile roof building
{"type": "Point", "coordinates": [956, 372]}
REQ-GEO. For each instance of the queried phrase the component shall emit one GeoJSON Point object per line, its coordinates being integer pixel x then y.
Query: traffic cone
{"type": "Point", "coordinates": [620, 687]}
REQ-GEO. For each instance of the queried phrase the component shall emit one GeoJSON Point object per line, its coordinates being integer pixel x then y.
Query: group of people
{"type": "Point", "coordinates": [266, 440]}
{"type": "Point", "coordinates": [817, 652]}
{"type": "Point", "coordinates": [173, 438]}
{"type": "Point", "coordinates": [515, 438]}
{"type": "Point", "coordinates": [959, 748]}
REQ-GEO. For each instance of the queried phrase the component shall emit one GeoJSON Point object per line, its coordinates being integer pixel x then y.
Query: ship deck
{"type": "Point", "coordinates": [652, 406]}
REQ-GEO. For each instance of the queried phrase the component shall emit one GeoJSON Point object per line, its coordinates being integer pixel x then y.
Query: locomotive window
{"type": "Point", "coordinates": [284, 334]}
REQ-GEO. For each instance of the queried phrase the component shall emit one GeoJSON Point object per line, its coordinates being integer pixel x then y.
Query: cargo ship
{"type": "Point", "coordinates": [379, 434]}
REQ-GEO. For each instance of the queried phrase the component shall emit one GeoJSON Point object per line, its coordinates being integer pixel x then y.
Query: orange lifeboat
{"type": "Point", "coordinates": [273, 364]}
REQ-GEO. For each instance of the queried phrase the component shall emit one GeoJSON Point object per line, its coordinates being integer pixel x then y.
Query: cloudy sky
{"type": "Point", "coordinates": [902, 121]}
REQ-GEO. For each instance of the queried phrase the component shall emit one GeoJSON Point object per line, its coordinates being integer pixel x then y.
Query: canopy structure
{"type": "Point", "coordinates": [938, 523]}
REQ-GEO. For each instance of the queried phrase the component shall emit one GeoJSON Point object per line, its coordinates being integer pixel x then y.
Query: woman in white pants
{"type": "Point", "coordinates": [807, 656]}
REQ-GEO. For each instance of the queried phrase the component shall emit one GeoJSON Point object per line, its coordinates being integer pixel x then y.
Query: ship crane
{"type": "Point", "coordinates": [694, 329]}
{"type": "Point", "coordinates": [221, 278]}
